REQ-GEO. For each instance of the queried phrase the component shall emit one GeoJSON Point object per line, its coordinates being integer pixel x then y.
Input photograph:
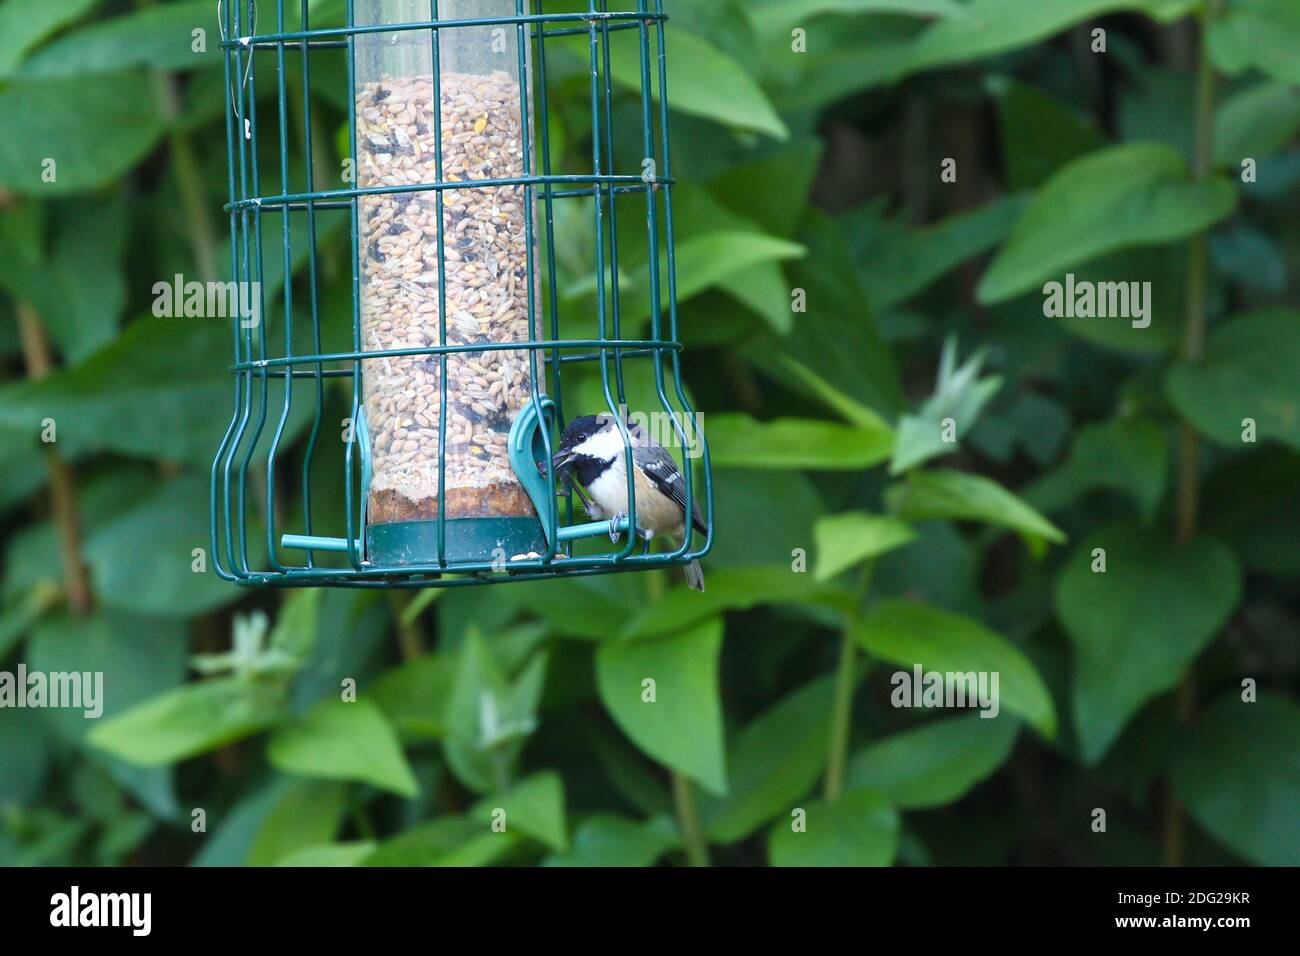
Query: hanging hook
{"type": "Point", "coordinates": [236, 96]}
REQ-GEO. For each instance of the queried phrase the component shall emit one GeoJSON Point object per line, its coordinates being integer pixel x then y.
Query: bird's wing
{"type": "Point", "coordinates": [663, 472]}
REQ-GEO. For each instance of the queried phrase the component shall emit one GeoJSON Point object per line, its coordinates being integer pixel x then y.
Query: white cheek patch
{"type": "Point", "coordinates": [603, 445]}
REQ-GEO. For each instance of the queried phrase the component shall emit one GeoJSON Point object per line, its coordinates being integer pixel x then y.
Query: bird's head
{"type": "Point", "coordinates": [586, 436]}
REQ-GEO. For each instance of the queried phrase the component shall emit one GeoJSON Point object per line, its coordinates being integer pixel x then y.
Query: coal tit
{"type": "Point", "coordinates": [592, 455]}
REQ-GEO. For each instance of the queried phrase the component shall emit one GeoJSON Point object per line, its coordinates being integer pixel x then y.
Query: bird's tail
{"type": "Point", "coordinates": [694, 576]}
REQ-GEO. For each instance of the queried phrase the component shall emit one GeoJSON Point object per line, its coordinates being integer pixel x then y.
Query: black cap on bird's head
{"type": "Point", "coordinates": [579, 430]}
{"type": "Point", "coordinates": [582, 428]}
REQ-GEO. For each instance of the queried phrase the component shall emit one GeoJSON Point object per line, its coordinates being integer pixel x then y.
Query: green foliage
{"type": "Point", "coordinates": [24, 23]}
{"type": "Point", "coordinates": [958, 399]}
{"type": "Point", "coordinates": [1245, 794]}
{"type": "Point", "coordinates": [1250, 372]}
{"type": "Point", "coordinates": [870, 479]}
{"type": "Point", "coordinates": [717, 87]}
{"type": "Point", "coordinates": [102, 127]}
{"type": "Point", "coordinates": [958, 496]}
{"type": "Point", "coordinates": [859, 829]}
{"type": "Point", "coordinates": [158, 37]}
{"type": "Point", "coordinates": [663, 693]}
{"type": "Point", "coordinates": [740, 441]}
{"type": "Point", "coordinates": [1261, 35]}
{"type": "Point", "coordinates": [844, 540]}
{"type": "Point", "coordinates": [772, 763]}
{"type": "Point", "coordinates": [911, 634]}
{"type": "Point", "coordinates": [343, 741]}
{"type": "Point", "coordinates": [1120, 197]}
{"type": "Point", "coordinates": [1139, 623]}
{"type": "Point", "coordinates": [934, 764]}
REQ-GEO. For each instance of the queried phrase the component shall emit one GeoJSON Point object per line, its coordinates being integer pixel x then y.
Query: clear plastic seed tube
{"type": "Point", "coordinates": [483, 283]}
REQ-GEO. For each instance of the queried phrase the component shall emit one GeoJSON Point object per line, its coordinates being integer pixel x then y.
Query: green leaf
{"type": "Point", "coordinates": [772, 764]}
{"type": "Point", "coordinates": [747, 189]}
{"type": "Point", "coordinates": [764, 289]}
{"type": "Point", "coordinates": [703, 261]}
{"type": "Point", "coordinates": [682, 725]}
{"type": "Point", "coordinates": [838, 339]}
{"type": "Point", "coordinates": [26, 755]}
{"type": "Point", "coordinates": [534, 806]}
{"type": "Point", "coordinates": [191, 720]}
{"type": "Point", "coordinates": [1040, 134]}
{"type": "Point", "coordinates": [1239, 776]}
{"type": "Point", "coordinates": [1139, 625]}
{"type": "Point", "coordinates": [156, 390]}
{"type": "Point", "coordinates": [779, 16]}
{"type": "Point", "coordinates": [158, 37]}
{"type": "Point", "coordinates": [138, 658]}
{"type": "Point", "coordinates": [94, 128]}
{"type": "Point", "coordinates": [858, 829]}
{"type": "Point", "coordinates": [1258, 122]}
{"type": "Point", "coordinates": [119, 660]}
{"type": "Point", "coordinates": [297, 626]}
{"type": "Point", "coordinates": [337, 740]}
{"type": "Point", "coordinates": [488, 717]}
{"type": "Point", "coordinates": [844, 405]}
{"type": "Point", "coordinates": [1164, 301]}
{"type": "Point", "coordinates": [79, 290]}
{"type": "Point", "coordinates": [850, 56]}
{"type": "Point", "coordinates": [736, 440]}
{"type": "Point", "coordinates": [608, 840]}
{"type": "Point", "coordinates": [25, 23]}
{"type": "Point", "coordinates": [306, 814]}
{"type": "Point", "coordinates": [141, 560]}
{"type": "Point", "coordinates": [959, 395]}
{"type": "Point", "coordinates": [995, 26]}
{"type": "Point", "coordinates": [415, 696]}
{"type": "Point", "coordinates": [897, 262]}
{"type": "Point", "coordinates": [592, 607]}
{"type": "Point", "coordinates": [1249, 256]}
{"type": "Point", "coordinates": [934, 764]}
{"type": "Point", "coordinates": [1262, 34]}
{"type": "Point", "coordinates": [702, 81]}
{"type": "Point", "coordinates": [232, 836]}
{"type": "Point", "coordinates": [732, 589]}
{"type": "Point", "coordinates": [332, 854]}
{"type": "Point", "coordinates": [961, 496]}
{"type": "Point", "coordinates": [1132, 195]}
{"type": "Point", "coordinates": [1126, 455]}
{"type": "Point", "coordinates": [1249, 370]}
{"type": "Point", "coordinates": [446, 841]}
{"type": "Point", "coordinates": [845, 539]}
{"type": "Point", "coordinates": [913, 634]}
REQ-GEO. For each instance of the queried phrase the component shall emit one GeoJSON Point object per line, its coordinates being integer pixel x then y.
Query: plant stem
{"type": "Point", "coordinates": [1189, 488]}
{"type": "Point", "coordinates": [189, 182]}
{"type": "Point", "coordinates": [410, 636]}
{"type": "Point", "coordinates": [63, 489]}
{"type": "Point", "coordinates": [688, 821]}
{"type": "Point", "coordinates": [845, 683]}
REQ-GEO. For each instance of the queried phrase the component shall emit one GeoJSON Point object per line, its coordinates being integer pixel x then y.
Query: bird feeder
{"type": "Point", "coordinates": [455, 375]}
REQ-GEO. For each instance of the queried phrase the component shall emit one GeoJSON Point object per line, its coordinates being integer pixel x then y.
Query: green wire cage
{"type": "Point", "coordinates": [461, 340]}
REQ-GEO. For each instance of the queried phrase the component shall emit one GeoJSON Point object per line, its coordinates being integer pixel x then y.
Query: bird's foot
{"type": "Point", "coordinates": [615, 520]}
{"type": "Point", "coordinates": [645, 534]}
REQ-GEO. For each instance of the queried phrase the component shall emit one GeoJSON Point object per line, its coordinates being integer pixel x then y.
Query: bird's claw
{"type": "Point", "coordinates": [645, 534]}
{"type": "Point", "coordinates": [615, 520]}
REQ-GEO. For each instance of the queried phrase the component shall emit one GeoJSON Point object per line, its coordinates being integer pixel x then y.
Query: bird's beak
{"type": "Point", "coordinates": [561, 458]}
